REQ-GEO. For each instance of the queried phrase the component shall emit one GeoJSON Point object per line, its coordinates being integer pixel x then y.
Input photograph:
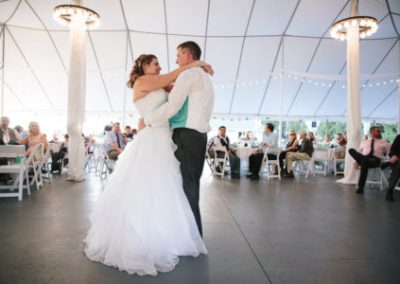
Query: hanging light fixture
{"type": "Point", "coordinates": [63, 13]}
{"type": "Point", "coordinates": [366, 25]}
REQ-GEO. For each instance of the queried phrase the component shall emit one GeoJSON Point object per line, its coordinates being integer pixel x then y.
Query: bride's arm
{"type": "Point", "coordinates": [149, 83]}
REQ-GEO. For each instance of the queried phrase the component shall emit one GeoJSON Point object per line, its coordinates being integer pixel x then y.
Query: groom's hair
{"type": "Point", "coordinates": [192, 47]}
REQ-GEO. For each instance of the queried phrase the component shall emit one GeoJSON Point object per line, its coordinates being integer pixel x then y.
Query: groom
{"type": "Point", "coordinates": [189, 108]}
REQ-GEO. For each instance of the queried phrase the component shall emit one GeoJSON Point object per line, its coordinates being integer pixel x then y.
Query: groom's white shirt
{"type": "Point", "coordinates": [191, 102]}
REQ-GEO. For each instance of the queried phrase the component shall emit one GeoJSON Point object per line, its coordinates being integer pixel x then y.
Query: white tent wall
{"type": "Point", "coordinates": [241, 39]}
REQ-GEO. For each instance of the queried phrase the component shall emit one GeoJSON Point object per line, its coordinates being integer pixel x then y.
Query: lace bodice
{"type": "Point", "coordinates": [151, 102]}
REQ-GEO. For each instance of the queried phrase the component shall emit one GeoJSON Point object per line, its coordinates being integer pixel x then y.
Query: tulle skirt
{"type": "Point", "coordinates": [143, 221]}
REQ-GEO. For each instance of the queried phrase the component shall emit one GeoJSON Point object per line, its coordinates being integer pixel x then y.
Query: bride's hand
{"type": "Point", "coordinates": [199, 63]}
{"type": "Point", "coordinates": [208, 69]}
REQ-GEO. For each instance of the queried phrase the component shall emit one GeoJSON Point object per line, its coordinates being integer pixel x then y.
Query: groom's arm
{"type": "Point", "coordinates": [176, 98]}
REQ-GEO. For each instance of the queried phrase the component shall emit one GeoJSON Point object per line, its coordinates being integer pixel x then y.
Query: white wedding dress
{"type": "Point", "coordinates": [143, 221]}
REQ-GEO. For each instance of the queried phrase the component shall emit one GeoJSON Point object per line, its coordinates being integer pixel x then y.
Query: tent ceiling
{"type": "Point", "coordinates": [248, 42]}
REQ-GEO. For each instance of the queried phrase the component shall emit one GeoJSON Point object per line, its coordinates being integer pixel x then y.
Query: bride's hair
{"type": "Point", "coordinates": [137, 69]}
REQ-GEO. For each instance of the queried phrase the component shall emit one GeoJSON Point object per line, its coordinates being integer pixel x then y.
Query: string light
{"type": "Point", "coordinates": [319, 82]}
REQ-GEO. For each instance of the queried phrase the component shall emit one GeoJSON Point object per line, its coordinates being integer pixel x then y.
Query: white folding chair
{"type": "Point", "coordinates": [209, 161]}
{"type": "Point", "coordinates": [376, 177]}
{"type": "Point", "coordinates": [338, 158]}
{"type": "Point", "coordinates": [271, 164]}
{"type": "Point", "coordinates": [304, 167]}
{"type": "Point", "coordinates": [90, 158]}
{"type": "Point", "coordinates": [45, 164]}
{"type": "Point", "coordinates": [321, 156]}
{"type": "Point", "coordinates": [34, 163]}
{"type": "Point", "coordinates": [220, 162]}
{"type": "Point", "coordinates": [106, 165]}
{"type": "Point", "coordinates": [18, 168]}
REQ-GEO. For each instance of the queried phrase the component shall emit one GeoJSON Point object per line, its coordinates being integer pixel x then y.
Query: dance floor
{"type": "Point", "coordinates": [292, 231]}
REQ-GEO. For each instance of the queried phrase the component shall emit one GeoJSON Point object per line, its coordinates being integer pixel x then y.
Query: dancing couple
{"type": "Point", "coordinates": [149, 213]}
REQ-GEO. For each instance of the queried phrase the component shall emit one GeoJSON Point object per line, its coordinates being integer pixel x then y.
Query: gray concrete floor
{"type": "Point", "coordinates": [293, 231]}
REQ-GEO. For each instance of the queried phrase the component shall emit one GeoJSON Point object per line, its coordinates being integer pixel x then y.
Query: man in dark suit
{"type": "Point", "coordinates": [395, 165]}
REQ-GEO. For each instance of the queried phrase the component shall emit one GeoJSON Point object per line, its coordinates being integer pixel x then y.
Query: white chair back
{"type": "Point", "coordinates": [19, 168]}
{"type": "Point", "coordinates": [12, 151]}
{"type": "Point", "coordinates": [272, 164]}
{"type": "Point", "coordinates": [220, 162]}
{"type": "Point", "coordinates": [339, 155]}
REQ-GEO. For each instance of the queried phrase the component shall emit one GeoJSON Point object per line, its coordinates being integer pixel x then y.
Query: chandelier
{"type": "Point", "coordinates": [366, 26]}
{"type": "Point", "coordinates": [64, 13]}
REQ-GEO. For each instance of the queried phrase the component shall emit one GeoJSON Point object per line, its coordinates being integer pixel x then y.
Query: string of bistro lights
{"type": "Point", "coordinates": [316, 79]}
{"type": "Point", "coordinates": [327, 82]}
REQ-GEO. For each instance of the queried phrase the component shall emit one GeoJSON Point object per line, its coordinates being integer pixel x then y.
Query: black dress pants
{"type": "Point", "coordinates": [255, 161]}
{"type": "Point", "coordinates": [191, 154]}
{"type": "Point", "coordinates": [366, 162]}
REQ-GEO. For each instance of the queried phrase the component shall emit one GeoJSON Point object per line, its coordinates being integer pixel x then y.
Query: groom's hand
{"type": "Point", "coordinates": [141, 124]}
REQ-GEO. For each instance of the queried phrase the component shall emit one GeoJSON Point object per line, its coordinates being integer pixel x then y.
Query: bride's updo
{"type": "Point", "coordinates": [137, 69]}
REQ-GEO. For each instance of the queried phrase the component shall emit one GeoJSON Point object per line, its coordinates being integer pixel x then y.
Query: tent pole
{"type": "Point", "coordinates": [76, 97]}
{"type": "Point", "coordinates": [353, 98]}
{"type": "Point", "coordinates": [3, 58]}
{"type": "Point", "coordinates": [126, 66]}
{"type": "Point", "coordinates": [282, 91]}
{"type": "Point", "coordinates": [398, 113]}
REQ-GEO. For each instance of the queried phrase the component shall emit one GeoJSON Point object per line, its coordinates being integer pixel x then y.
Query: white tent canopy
{"type": "Point", "coordinates": [244, 40]}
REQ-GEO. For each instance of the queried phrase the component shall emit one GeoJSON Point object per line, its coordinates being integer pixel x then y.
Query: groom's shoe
{"type": "Point", "coordinates": [360, 190]}
{"type": "Point", "coordinates": [389, 195]}
{"type": "Point", "coordinates": [254, 177]}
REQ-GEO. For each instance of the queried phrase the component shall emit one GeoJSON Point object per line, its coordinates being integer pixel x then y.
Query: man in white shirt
{"type": "Point", "coordinates": [222, 140]}
{"type": "Point", "coordinates": [189, 108]}
{"type": "Point", "coordinates": [270, 139]}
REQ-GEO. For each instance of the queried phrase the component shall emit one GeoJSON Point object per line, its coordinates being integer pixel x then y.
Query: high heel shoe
{"type": "Point", "coordinates": [389, 195]}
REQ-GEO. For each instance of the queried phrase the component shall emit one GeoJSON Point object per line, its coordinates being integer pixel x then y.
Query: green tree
{"type": "Point", "coordinates": [389, 130]}
{"type": "Point", "coordinates": [331, 128]}
{"type": "Point", "coordinates": [297, 126]}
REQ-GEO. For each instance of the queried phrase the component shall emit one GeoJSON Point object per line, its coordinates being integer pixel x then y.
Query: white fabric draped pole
{"type": "Point", "coordinates": [353, 99]}
{"type": "Point", "coordinates": [3, 65]}
{"type": "Point", "coordinates": [76, 97]}
{"type": "Point", "coordinates": [398, 114]}
{"type": "Point", "coordinates": [282, 92]}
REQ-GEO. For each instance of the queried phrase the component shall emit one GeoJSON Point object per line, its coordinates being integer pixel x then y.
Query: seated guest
{"type": "Point", "coordinates": [339, 141]}
{"type": "Point", "coordinates": [303, 153]}
{"type": "Point", "coordinates": [34, 137]}
{"type": "Point", "coordinates": [222, 140]}
{"type": "Point", "coordinates": [340, 144]}
{"type": "Point", "coordinates": [369, 155]}
{"type": "Point", "coordinates": [248, 138]}
{"type": "Point", "coordinates": [291, 146]}
{"type": "Point", "coordinates": [20, 130]}
{"type": "Point", "coordinates": [312, 138]}
{"type": "Point", "coordinates": [107, 128]}
{"type": "Point", "coordinates": [7, 134]}
{"type": "Point", "coordinates": [395, 165]}
{"type": "Point", "coordinates": [128, 132]}
{"type": "Point", "coordinates": [327, 140]}
{"type": "Point", "coordinates": [134, 132]}
{"type": "Point", "coordinates": [270, 139]}
{"type": "Point", "coordinates": [114, 142]}
{"type": "Point", "coordinates": [58, 156]}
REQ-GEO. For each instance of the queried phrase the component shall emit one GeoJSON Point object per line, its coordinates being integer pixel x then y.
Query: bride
{"type": "Point", "coordinates": [143, 221]}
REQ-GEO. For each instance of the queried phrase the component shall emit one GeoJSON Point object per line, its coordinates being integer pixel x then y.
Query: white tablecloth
{"type": "Point", "coordinates": [244, 152]}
